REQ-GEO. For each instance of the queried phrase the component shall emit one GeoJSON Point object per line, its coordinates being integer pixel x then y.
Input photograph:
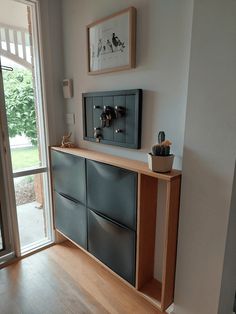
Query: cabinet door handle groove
{"type": "Point", "coordinates": [110, 220]}
{"type": "Point", "coordinates": [69, 198]}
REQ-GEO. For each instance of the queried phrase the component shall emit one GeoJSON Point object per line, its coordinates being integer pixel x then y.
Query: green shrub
{"type": "Point", "coordinates": [20, 104]}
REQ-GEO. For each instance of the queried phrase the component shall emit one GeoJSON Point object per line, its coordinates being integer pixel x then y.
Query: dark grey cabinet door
{"type": "Point", "coordinates": [71, 219]}
{"type": "Point", "coordinates": [112, 244]}
{"type": "Point", "coordinates": [112, 192]}
{"type": "Point", "coordinates": [69, 175]}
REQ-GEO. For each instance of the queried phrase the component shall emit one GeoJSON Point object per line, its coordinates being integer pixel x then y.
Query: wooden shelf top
{"type": "Point", "coordinates": [133, 165]}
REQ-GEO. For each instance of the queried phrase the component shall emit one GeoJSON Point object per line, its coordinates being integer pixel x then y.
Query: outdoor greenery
{"type": "Point", "coordinates": [24, 158]}
{"type": "Point", "coordinates": [20, 105]}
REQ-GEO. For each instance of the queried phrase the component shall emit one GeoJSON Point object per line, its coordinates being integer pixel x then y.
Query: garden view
{"type": "Point", "coordinates": [22, 129]}
{"type": "Point", "coordinates": [21, 118]}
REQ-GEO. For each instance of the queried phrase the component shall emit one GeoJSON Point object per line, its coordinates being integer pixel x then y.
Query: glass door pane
{"type": "Point", "coordinates": [25, 122]}
{"type": "Point", "coordinates": [30, 202]}
{"type": "Point", "coordinates": [21, 109]}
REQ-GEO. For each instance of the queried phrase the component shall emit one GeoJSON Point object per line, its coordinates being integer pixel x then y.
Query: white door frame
{"type": "Point", "coordinates": [43, 130]}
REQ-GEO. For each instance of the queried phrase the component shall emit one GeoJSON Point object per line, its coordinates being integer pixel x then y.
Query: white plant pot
{"type": "Point", "coordinates": [160, 163]}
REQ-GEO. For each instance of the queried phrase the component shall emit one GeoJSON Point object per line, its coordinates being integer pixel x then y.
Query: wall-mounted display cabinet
{"type": "Point", "coordinates": [107, 206]}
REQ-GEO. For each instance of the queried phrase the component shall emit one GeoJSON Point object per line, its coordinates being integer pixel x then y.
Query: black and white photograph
{"type": "Point", "coordinates": [110, 43]}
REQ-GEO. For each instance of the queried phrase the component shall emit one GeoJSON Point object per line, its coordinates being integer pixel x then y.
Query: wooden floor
{"type": "Point", "coordinates": [63, 279]}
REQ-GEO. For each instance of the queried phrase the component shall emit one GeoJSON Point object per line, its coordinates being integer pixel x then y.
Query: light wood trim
{"type": "Point", "coordinates": [146, 229]}
{"type": "Point", "coordinates": [152, 289]}
{"type": "Point", "coordinates": [132, 41]}
{"type": "Point", "coordinates": [110, 70]}
{"type": "Point", "coordinates": [59, 238]}
{"type": "Point", "coordinates": [133, 35]}
{"type": "Point", "coordinates": [170, 245]}
{"type": "Point", "coordinates": [133, 165]}
{"type": "Point", "coordinates": [110, 16]}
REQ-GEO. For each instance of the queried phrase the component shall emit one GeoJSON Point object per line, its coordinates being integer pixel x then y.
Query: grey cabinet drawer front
{"type": "Point", "coordinates": [69, 175]}
{"type": "Point", "coordinates": [112, 192]}
{"type": "Point", "coordinates": [71, 219]}
{"type": "Point", "coordinates": [113, 245]}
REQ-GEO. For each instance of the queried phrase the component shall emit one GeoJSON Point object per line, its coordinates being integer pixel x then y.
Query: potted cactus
{"type": "Point", "coordinates": [160, 159]}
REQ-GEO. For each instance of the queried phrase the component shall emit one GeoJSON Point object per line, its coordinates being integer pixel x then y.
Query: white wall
{"type": "Point", "coordinates": [228, 284]}
{"type": "Point", "coordinates": [209, 160]}
{"type": "Point", "coordinates": [163, 45]}
{"type": "Point", "coordinates": [52, 44]}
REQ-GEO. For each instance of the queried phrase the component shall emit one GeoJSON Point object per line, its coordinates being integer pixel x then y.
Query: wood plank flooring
{"type": "Point", "coordinates": [63, 279]}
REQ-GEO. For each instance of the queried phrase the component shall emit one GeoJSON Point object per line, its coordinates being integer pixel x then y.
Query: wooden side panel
{"type": "Point", "coordinates": [146, 228]}
{"type": "Point", "coordinates": [170, 245]}
{"type": "Point", "coordinates": [153, 290]}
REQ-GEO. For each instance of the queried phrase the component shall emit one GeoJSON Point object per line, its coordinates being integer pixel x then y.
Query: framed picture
{"type": "Point", "coordinates": [111, 42]}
